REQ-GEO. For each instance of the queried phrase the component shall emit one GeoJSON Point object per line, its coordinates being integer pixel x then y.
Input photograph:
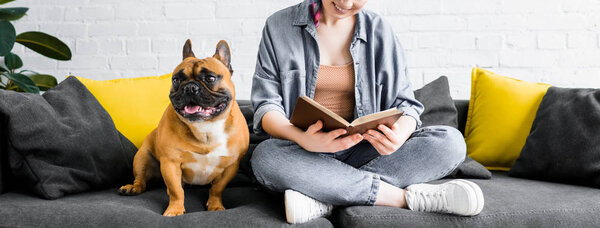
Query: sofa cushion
{"type": "Point", "coordinates": [63, 141]}
{"type": "Point", "coordinates": [501, 112]}
{"type": "Point", "coordinates": [246, 207]}
{"type": "Point", "coordinates": [439, 107]}
{"type": "Point", "coordinates": [563, 145]}
{"type": "Point", "coordinates": [135, 104]}
{"type": "Point", "coordinates": [470, 168]}
{"type": "Point", "coordinates": [509, 202]}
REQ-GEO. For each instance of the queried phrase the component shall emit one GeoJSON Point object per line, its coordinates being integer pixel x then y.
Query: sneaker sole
{"type": "Point", "coordinates": [478, 195]}
{"type": "Point", "coordinates": [288, 208]}
{"type": "Point", "coordinates": [471, 198]}
{"type": "Point", "coordinates": [291, 209]}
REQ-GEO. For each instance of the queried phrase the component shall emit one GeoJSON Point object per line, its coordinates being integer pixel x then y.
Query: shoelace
{"type": "Point", "coordinates": [429, 201]}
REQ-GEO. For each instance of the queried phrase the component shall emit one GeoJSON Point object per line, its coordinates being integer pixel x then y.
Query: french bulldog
{"type": "Point", "coordinates": [202, 135]}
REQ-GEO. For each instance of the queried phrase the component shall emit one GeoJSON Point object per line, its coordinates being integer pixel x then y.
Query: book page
{"type": "Point", "coordinates": [374, 116]}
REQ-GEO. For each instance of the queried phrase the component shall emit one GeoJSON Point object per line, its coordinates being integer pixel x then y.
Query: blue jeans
{"type": "Point", "coordinates": [352, 176]}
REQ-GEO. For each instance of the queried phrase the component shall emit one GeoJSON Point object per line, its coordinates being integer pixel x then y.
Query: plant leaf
{"type": "Point", "coordinates": [2, 69]}
{"type": "Point", "coordinates": [23, 82]}
{"type": "Point", "coordinates": [28, 71]}
{"type": "Point", "coordinates": [45, 44]}
{"type": "Point", "coordinates": [13, 13]}
{"type": "Point", "coordinates": [7, 37]}
{"type": "Point", "coordinates": [5, 1]}
{"type": "Point", "coordinates": [44, 81]}
{"type": "Point", "coordinates": [13, 61]}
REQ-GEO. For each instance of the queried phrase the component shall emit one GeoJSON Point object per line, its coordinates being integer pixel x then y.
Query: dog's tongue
{"type": "Point", "coordinates": [191, 109]}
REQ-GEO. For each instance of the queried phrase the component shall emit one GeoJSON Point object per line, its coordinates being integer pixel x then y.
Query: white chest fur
{"type": "Point", "coordinates": [205, 166]}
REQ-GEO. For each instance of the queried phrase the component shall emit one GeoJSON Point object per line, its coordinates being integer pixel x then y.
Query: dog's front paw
{"type": "Point", "coordinates": [216, 208]}
{"type": "Point", "coordinates": [131, 190]}
{"type": "Point", "coordinates": [214, 205]}
{"type": "Point", "coordinates": [174, 210]}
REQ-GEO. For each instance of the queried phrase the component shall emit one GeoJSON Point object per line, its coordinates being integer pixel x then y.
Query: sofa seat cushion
{"type": "Point", "coordinates": [246, 207]}
{"type": "Point", "coordinates": [509, 202]}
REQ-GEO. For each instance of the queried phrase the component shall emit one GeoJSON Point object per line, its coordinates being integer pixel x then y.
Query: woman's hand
{"type": "Point", "coordinates": [389, 140]}
{"type": "Point", "coordinates": [315, 140]}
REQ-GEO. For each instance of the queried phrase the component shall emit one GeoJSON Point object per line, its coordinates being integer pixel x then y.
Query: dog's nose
{"type": "Point", "coordinates": [191, 88]}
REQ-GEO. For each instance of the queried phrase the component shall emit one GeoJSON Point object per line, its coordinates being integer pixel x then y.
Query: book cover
{"type": "Point", "coordinates": [308, 111]}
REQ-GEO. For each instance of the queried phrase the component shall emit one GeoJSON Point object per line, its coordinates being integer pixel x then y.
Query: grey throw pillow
{"type": "Point", "coordinates": [63, 141]}
{"type": "Point", "coordinates": [564, 142]}
{"type": "Point", "coordinates": [439, 106]}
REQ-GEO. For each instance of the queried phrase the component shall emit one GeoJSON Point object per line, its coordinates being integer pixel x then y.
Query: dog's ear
{"type": "Point", "coordinates": [223, 54]}
{"type": "Point", "coordinates": [187, 49]}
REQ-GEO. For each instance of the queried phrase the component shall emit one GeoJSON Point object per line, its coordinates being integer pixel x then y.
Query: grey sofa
{"type": "Point", "coordinates": [509, 202]}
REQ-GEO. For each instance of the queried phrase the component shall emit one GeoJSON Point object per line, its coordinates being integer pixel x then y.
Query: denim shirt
{"type": "Point", "coordinates": [288, 62]}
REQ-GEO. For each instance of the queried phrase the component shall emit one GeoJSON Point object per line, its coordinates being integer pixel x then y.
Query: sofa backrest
{"type": "Point", "coordinates": [462, 107]}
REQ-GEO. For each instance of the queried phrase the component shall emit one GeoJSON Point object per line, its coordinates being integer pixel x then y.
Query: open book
{"type": "Point", "coordinates": [308, 111]}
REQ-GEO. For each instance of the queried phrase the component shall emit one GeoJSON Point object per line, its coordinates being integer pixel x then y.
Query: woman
{"type": "Point", "coordinates": [349, 60]}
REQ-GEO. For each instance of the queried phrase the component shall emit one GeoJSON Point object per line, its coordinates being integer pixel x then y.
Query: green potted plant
{"type": "Point", "coordinates": [11, 76]}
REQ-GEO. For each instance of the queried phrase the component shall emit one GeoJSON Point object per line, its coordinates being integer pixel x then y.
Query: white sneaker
{"type": "Point", "coordinates": [300, 208]}
{"type": "Point", "coordinates": [460, 197]}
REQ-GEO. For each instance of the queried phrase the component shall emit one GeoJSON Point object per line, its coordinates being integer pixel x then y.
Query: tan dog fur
{"type": "Point", "coordinates": [195, 152]}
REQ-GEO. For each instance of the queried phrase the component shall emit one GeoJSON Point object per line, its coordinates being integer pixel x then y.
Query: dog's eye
{"type": "Point", "coordinates": [210, 78]}
{"type": "Point", "coordinates": [176, 80]}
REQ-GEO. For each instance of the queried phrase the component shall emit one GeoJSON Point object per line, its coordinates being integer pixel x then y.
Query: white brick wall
{"type": "Point", "coordinates": [552, 41]}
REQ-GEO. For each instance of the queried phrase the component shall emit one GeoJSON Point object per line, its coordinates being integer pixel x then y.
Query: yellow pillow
{"type": "Point", "coordinates": [135, 104]}
{"type": "Point", "coordinates": [501, 112]}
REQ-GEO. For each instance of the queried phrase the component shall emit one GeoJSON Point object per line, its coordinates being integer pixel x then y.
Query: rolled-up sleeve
{"type": "Point", "coordinates": [405, 97]}
{"type": "Point", "coordinates": [393, 66]}
{"type": "Point", "coordinates": [266, 83]}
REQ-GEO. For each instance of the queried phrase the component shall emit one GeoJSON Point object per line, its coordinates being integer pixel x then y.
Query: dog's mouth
{"type": "Point", "coordinates": [192, 111]}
